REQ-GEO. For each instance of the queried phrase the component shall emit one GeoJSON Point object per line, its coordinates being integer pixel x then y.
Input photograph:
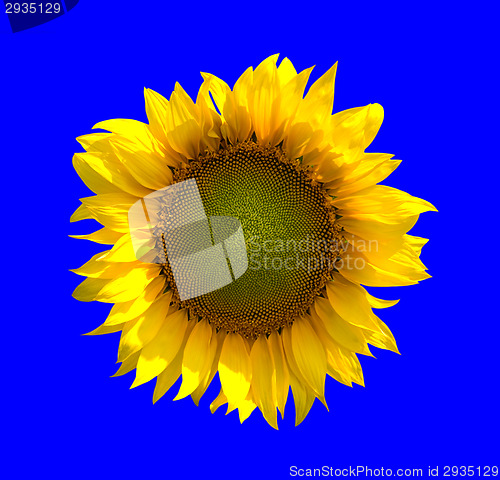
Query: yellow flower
{"type": "Point", "coordinates": [316, 227]}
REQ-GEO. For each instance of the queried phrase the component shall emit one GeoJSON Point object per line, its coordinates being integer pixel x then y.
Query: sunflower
{"type": "Point", "coordinates": [316, 227]}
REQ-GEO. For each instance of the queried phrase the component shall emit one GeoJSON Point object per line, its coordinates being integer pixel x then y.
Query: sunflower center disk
{"type": "Point", "coordinates": [290, 235]}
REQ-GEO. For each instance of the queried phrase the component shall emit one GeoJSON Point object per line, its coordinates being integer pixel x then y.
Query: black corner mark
{"type": "Point", "coordinates": [24, 14]}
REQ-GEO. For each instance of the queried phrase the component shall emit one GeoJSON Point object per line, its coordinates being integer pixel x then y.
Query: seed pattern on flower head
{"type": "Point", "coordinates": [289, 228]}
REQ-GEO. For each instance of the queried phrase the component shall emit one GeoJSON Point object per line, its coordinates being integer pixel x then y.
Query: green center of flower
{"type": "Point", "coordinates": [290, 234]}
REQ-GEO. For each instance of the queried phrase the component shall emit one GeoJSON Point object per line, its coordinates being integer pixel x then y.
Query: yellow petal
{"type": "Point", "coordinates": [236, 109]}
{"type": "Point", "coordinates": [337, 369]}
{"type": "Point", "coordinates": [89, 288]}
{"type": "Point", "coordinates": [162, 349]}
{"type": "Point", "coordinates": [167, 378]}
{"type": "Point", "coordinates": [235, 371]}
{"type": "Point", "coordinates": [105, 329]}
{"type": "Point", "coordinates": [218, 402]}
{"type": "Point", "coordinates": [128, 364]}
{"type": "Point", "coordinates": [122, 251]}
{"type": "Point", "coordinates": [88, 268]}
{"type": "Point", "coordinates": [104, 174]}
{"type": "Point", "coordinates": [265, 102]}
{"type": "Point", "coordinates": [182, 130]}
{"type": "Point", "coordinates": [286, 336]}
{"type": "Point", "coordinates": [170, 375]}
{"type": "Point", "coordinates": [380, 303]}
{"type": "Point", "coordinates": [97, 268]}
{"type": "Point", "coordinates": [330, 166]}
{"type": "Point", "coordinates": [355, 367]}
{"type": "Point", "coordinates": [210, 121]}
{"type": "Point", "coordinates": [148, 168]}
{"type": "Point", "coordinates": [85, 167]}
{"type": "Point", "coordinates": [292, 94]}
{"type": "Point", "coordinates": [341, 331]}
{"type": "Point", "coordinates": [128, 286]}
{"type": "Point", "coordinates": [309, 355]}
{"type": "Point", "coordinates": [384, 247]}
{"type": "Point", "coordinates": [81, 213]}
{"type": "Point", "coordinates": [246, 407]}
{"type": "Point", "coordinates": [303, 399]}
{"type": "Point", "coordinates": [134, 133]}
{"type": "Point", "coordinates": [186, 101]}
{"type": "Point", "coordinates": [127, 311]}
{"type": "Point", "coordinates": [416, 243]}
{"type": "Point", "coordinates": [338, 366]}
{"type": "Point", "coordinates": [374, 168]}
{"type": "Point", "coordinates": [103, 236]}
{"type": "Point", "coordinates": [353, 130]}
{"type": "Point", "coordinates": [110, 209]}
{"type": "Point", "coordinates": [402, 268]}
{"type": "Point", "coordinates": [128, 128]}
{"type": "Point", "coordinates": [196, 360]}
{"type": "Point", "coordinates": [218, 88]}
{"type": "Point", "coordinates": [227, 105]}
{"type": "Point", "coordinates": [405, 260]}
{"type": "Point", "coordinates": [215, 349]}
{"type": "Point", "coordinates": [343, 365]}
{"type": "Point", "coordinates": [88, 141]}
{"type": "Point", "coordinates": [264, 380]}
{"type": "Point", "coordinates": [282, 375]}
{"type": "Point", "coordinates": [350, 302]}
{"type": "Point", "coordinates": [109, 200]}
{"type": "Point", "coordinates": [301, 139]}
{"type": "Point", "coordinates": [286, 71]}
{"type": "Point", "coordinates": [141, 331]}
{"type": "Point", "coordinates": [318, 103]}
{"type": "Point", "coordinates": [156, 110]}
{"type": "Point", "coordinates": [377, 227]}
{"type": "Point", "coordinates": [380, 199]}
{"type": "Point", "coordinates": [382, 339]}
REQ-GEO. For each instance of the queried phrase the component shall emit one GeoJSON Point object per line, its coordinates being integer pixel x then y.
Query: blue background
{"type": "Point", "coordinates": [431, 65]}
